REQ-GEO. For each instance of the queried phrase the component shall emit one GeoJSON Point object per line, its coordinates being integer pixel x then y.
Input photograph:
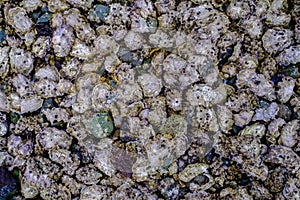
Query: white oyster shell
{"type": "Point", "coordinates": [21, 61]}
{"type": "Point", "coordinates": [31, 104]}
{"type": "Point", "coordinates": [18, 18]}
{"type": "Point", "coordinates": [62, 40]}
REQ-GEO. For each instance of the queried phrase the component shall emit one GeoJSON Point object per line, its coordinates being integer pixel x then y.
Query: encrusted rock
{"type": "Point", "coordinates": [169, 188]}
{"type": "Point", "coordinates": [161, 39]}
{"type": "Point", "coordinates": [88, 175]}
{"type": "Point", "coordinates": [289, 135]}
{"type": "Point", "coordinates": [292, 188]}
{"type": "Point", "coordinates": [257, 83]}
{"type": "Point", "coordinates": [81, 50]}
{"type": "Point", "coordinates": [286, 87]}
{"type": "Point", "coordinates": [256, 130]}
{"type": "Point", "coordinates": [224, 118]}
{"type": "Point", "coordinates": [62, 40]}
{"type": "Point", "coordinates": [254, 26]}
{"type": "Point", "coordinates": [290, 55]}
{"type": "Point", "coordinates": [71, 69]}
{"type": "Point", "coordinates": [243, 118]}
{"type": "Point", "coordinates": [47, 72]}
{"type": "Point", "coordinates": [283, 156]}
{"type": "Point", "coordinates": [150, 84]}
{"type": "Point", "coordinates": [17, 147]}
{"type": "Point", "coordinates": [238, 9]}
{"type": "Point", "coordinates": [275, 40]}
{"type": "Point", "coordinates": [274, 18]}
{"type": "Point", "coordinates": [134, 41]}
{"type": "Point", "coordinates": [98, 12]}
{"type": "Point", "coordinates": [41, 46]}
{"type": "Point", "coordinates": [95, 192]}
{"type": "Point", "coordinates": [32, 181]}
{"type": "Point", "coordinates": [99, 125]}
{"type": "Point", "coordinates": [56, 191]}
{"type": "Point", "coordinates": [191, 171]}
{"type": "Point", "coordinates": [56, 115]}
{"type": "Point", "coordinates": [276, 180]}
{"type": "Point", "coordinates": [175, 99]}
{"type": "Point", "coordinates": [72, 185]}
{"type": "Point", "coordinates": [105, 45]}
{"type": "Point", "coordinates": [45, 88]}
{"type": "Point", "coordinates": [21, 61]}
{"type": "Point", "coordinates": [31, 5]}
{"type": "Point", "coordinates": [18, 18]}
{"type": "Point", "coordinates": [126, 191]}
{"type": "Point", "coordinates": [30, 104]}
{"type": "Point", "coordinates": [57, 5]}
{"type": "Point", "coordinates": [102, 160]}
{"type": "Point", "coordinates": [85, 4]}
{"type": "Point", "coordinates": [273, 129]}
{"type": "Point", "coordinates": [22, 84]}
{"type": "Point", "coordinates": [66, 159]}
{"type": "Point", "coordinates": [266, 114]}
{"type": "Point", "coordinates": [51, 137]}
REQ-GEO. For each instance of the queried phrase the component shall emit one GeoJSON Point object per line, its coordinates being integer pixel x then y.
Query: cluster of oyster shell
{"type": "Point", "coordinates": [146, 99]}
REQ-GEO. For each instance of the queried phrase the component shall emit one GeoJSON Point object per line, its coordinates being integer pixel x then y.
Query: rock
{"type": "Point", "coordinates": [286, 87]}
{"type": "Point", "coordinates": [31, 104]}
{"type": "Point", "coordinates": [18, 18]}
{"type": "Point", "coordinates": [191, 171]}
{"type": "Point", "coordinates": [276, 40]}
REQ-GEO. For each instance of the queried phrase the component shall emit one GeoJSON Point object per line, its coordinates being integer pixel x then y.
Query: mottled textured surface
{"type": "Point", "coordinates": [143, 99]}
